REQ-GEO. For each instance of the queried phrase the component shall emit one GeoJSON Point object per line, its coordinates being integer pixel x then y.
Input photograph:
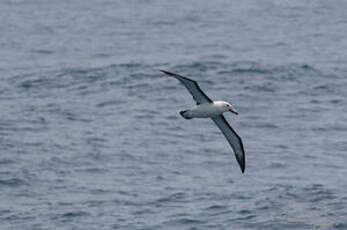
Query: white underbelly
{"type": "Point", "coordinates": [205, 111]}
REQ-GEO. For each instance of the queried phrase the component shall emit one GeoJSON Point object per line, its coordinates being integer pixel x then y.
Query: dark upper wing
{"type": "Point", "coordinates": [233, 139]}
{"type": "Point", "coordinates": [199, 96]}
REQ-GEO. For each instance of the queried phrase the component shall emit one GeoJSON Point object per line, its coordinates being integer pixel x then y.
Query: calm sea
{"type": "Point", "coordinates": [91, 138]}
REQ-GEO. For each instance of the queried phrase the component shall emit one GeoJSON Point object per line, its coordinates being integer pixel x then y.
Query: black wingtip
{"type": "Point", "coordinates": [167, 72]}
{"type": "Point", "coordinates": [242, 166]}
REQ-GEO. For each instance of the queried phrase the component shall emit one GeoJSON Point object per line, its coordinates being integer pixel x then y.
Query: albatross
{"type": "Point", "coordinates": [206, 108]}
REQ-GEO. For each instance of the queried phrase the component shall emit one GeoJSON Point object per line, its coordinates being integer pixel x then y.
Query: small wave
{"type": "Point", "coordinates": [277, 165]}
{"type": "Point", "coordinates": [74, 214]}
{"type": "Point", "coordinates": [203, 66]}
{"type": "Point", "coordinates": [108, 103]}
{"type": "Point", "coordinates": [183, 222]}
{"type": "Point", "coordinates": [14, 182]}
{"type": "Point", "coordinates": [216, 207]}
{"type": "Point", "coordinates": [270, 88]}
{"type": "Point", "coordinates": [93, 170]}
{"type": "Point", "coordinates": [251, 70]}
{"type": "Point", "coordinates": [340, 225]}
{"type": "Point", "coordinates": [42, 51]}
{"type": "Point", "coordinates": [7, 161]}
{"type": "Point", "coordinates": [176, 197]}
{"type": "Point", "coordinates": [244, 211]}
{"type": "Point", "coordinates": [27, 84]}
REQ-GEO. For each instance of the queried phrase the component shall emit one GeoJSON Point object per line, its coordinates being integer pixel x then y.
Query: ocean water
{"type": "Point", "coordinates": [91, 138]}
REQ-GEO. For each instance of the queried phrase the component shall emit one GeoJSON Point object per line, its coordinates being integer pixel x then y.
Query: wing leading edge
{"type": "Point", "coordinates": [233, 139]}
{"type": "Point", "coordinates": [192, 86]}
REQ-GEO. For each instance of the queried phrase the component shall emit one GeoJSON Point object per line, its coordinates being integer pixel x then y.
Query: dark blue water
{"type": "Point", "coordinates": [90, 134]}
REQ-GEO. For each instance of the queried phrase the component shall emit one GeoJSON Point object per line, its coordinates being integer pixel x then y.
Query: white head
{"type": "Point", "coordinates": [226, 107]}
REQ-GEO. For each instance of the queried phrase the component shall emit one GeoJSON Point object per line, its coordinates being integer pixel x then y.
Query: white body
{"type": "Point", "coordinates": [208, 110]}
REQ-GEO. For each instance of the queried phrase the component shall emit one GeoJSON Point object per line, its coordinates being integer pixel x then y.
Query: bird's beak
{"type": "Point", "coordinates": [234, 111]}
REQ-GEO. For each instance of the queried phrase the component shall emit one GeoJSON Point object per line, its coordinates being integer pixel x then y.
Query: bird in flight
{"type": "Point", "coordinates": [206, 108]}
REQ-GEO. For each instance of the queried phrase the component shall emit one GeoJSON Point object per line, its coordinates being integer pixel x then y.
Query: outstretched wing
{"type": "Point", "coordinates": [233, 139]}
{"type": "Point", "coordinates": [192, 86]}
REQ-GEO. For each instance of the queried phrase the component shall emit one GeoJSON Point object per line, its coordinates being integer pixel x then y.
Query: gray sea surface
{"type": "Point", "coordinates": [91, 137]}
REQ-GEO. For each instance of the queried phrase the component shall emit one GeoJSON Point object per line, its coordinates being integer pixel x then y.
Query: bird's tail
{"type": "Point", "coordinates": [185, 115]}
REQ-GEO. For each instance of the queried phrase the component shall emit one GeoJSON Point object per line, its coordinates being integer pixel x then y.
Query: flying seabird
{"type": "Point", "coordinates": [206, 108]}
